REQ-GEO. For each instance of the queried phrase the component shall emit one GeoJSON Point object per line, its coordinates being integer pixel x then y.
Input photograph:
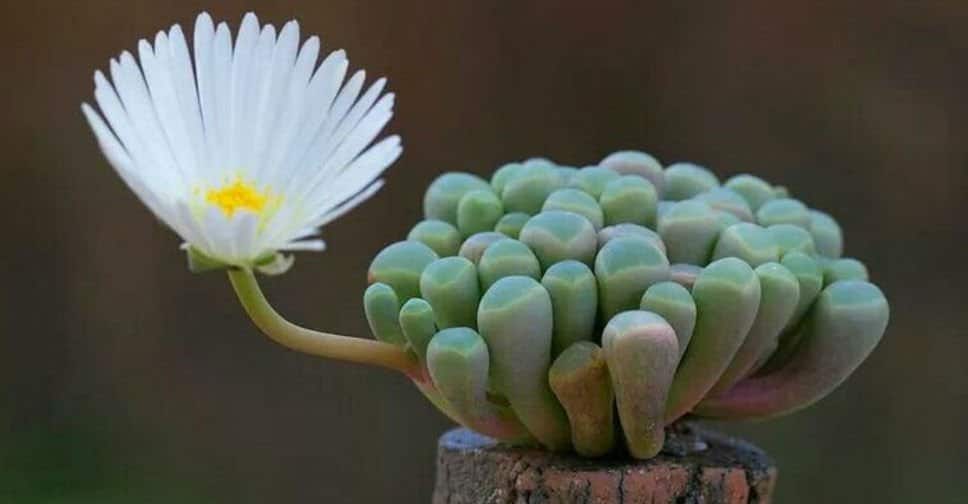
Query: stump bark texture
{"type": "Point", "coordinates": [696, 466]}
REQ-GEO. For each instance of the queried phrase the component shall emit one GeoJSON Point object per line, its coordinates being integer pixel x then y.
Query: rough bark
{"type": "Point", "coordinates": [696, 466]}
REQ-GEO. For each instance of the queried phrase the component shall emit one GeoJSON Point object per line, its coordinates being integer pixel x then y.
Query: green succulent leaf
{"type": "Point", "coordinates": [515, 319]}
{"type": "Point", "coordinates": [727, 295]}
{"type": "Point", "coordinates": [629, 199]}
{"type": "Point", "coordinates": [754, 190]}
{"type": "Point", "coordinates": [636, 163]}
{"type": "Point", "coordinates": [458, 362]}
{"type": "Point", "coordinates": [442, 237]}
{"type": "Point", "coordinates": [400, 265]}
{"type": "Point", "coordinates": [634, 230]}
{"type": "Point", "coordinates": [783, 211]}
{"type": "Point", "coordinates": [690, 230]}
{"type": "Point", "coordinates": [792, 238]}
{"type": "Point", "coordinates": [674, 303]}
{"type": "Point", "coordinates": [749, 242]}
{"type": "Point", "coordinates": [580, 380]}
{"type": "Point", "coordinates": [478, 211]}
{"type": "Point", "coordinates": [445, 192]}
{"type": "Point", "coordinates": [417, 325]}
{"type": "Point", "coordinates": [642, 352]}
{"type": "Point", "coordinates": [843, 327]}
{"type": "Point", "coordinates": [576, 201]}
{"type": "Point", "coordinates": [382, 308]}
{"type": "Point", "coordinates": [826, 234]}
{"type": "Point", "coordinates": [510, 225]}
{"type": "Point", "coordinates": [452, 288]}
{"type": "Point", "coordinates": [505, 258]}
{"type": "Point", "coordinates": [593, 179]}
{"type": "Point", "coordinates": [726, 200]}
{"type": "Point", "coordinates": [473, 248]}
{"type": "Point", "coordinates": [625, 268]}
{"type": "Point", "coordinates": [843, 269]}
{"type": "Point", "coordinates": [528, 187]}
{"type": "Point", "coordinates": [779, 294]}
{"type": "Point", "coordinates": [574, 299]}
{"type": "Point", "coordinates": [556, 236]}
{"type": "Point", "coordinates": [685, 180]}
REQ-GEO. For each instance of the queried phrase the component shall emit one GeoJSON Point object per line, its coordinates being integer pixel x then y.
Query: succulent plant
{"type": "Point", "coordinates": [549, 301]}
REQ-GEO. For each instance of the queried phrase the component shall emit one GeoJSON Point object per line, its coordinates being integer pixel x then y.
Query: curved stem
{"type": "Point", "coordinates": [280, 330]}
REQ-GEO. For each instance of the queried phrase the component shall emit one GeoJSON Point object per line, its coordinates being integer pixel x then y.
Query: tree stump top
{"type": "Point", "coordinates": [696, 466]}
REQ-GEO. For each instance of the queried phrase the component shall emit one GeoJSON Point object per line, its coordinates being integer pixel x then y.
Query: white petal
{"type": "Point", "coordinates": [123, 164]}
{"type": "Point", "coordinates": [241, 82]}
{"type": "Point", "coordinates": [295, 109]}
{"type": "Point", "coordinates": [351, 203]}
{"type": "Point", "coordinates": [222, 66]}
{"type": "Point", "coordinates": [183, 80]}
{"type": "Point", "coordinates": [158, 76]}
{"type": "Point", "coordinates": [322, 90]}
{"type": "Point", "coordinates": [205, 77]}
{"type": "Point", "coordinates": [307, 245]}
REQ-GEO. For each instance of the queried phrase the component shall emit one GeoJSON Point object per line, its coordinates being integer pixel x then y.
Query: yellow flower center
{"type": "Point", "coordinates": [238, 195]}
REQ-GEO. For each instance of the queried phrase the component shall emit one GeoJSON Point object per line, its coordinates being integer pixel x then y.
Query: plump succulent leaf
{"type": "Point", "coordinates": [726, 200]}
{"type": "Point", "coordinates": [684, 274]}
{"type": "Point", "coordinates": [580, 380]}
{"type": "Point", "coordinates": [458, 362]}
{"type": "Point", "coordinates": [843, 327]}
{"type": "Point", "coordinates": [826, 234]}
{"type": "Point", "coordinates": [754, 190]}
{"type": "Point", "coordinates": [625, 267]}
{"type": "Point", "coordinates": [445, 192]}
{"type": "Point", "coordinates": [779, 294]}
{"type": "Point", "coordinates": [504, 258]}
{"type": "Point", "coordinates": [674, 303]}
{"type": "Point", "coordinates": [629, 199]}
{"type": "Point", "coordinates": [451, 286]}
{"type": "Point", "coordinates": [690, 230]}
{"type": "Point", "coordinates": [792, 238]}
{"type": "Point", "coordinates": [417, 325]}
{"type": "Point", "coordinates": [593, 179]}
{"type": "Point", "coordinates": [400, 266]}
{"type": "Point", "coordinates": [528, 187]}
{"type": "Point", "coordinates": [473, 248]}
{"type": "Point", "coordinates": [510, 225]}
{"type": "Point", "coordinates": [515, 319]}
{"type": "Point", "coordinates": [636, 163]}
{"type": "Point", "coordinates": [574, 299]}
{"type": "Point", "coordinates": [749, 242]}
{"type": "Point", "coordinates": [642, 352]}
{"type": "Point", "coordinates": [606, 234]}
{"type": "Point", "coordinates": [577, 201]}
{"type": "Point", "coordinates": [727, 295]}
{"type": "Point", "coordinates": [843, 269]}
{"type": "Point", "coordinates": [442, 237]}
{"type": "Point", "coordinates": [478, 211]}
{"type": "Point", "coordinates": [685, 180]}
{"type": "Point", "coordinates": [557, 236]}
{"type": "Point", "coordinates": [382, 309]}
{"type": "Point", "coordinates": [783, 211]}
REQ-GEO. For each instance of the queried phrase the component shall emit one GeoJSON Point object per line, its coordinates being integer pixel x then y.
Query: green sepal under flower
{"type": "Point", "coordinates": [273, 263]}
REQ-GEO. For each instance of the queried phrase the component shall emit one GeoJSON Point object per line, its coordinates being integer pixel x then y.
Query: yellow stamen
{"type": "Point", "coordinates": [238, 195]}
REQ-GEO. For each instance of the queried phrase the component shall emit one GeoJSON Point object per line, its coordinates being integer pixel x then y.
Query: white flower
{"type": "Point", "coordinates": [244, 150]}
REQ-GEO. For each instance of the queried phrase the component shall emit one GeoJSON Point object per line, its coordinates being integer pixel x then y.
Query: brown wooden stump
{"type": "Point", "coordinates": [696, 466]}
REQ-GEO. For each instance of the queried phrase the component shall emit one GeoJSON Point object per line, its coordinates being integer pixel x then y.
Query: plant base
{"type": "Point", "coordinates": [696, 466]}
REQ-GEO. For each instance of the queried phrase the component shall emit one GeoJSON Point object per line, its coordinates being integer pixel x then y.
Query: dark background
{"type": "Point", "coordinates": [125, 378]}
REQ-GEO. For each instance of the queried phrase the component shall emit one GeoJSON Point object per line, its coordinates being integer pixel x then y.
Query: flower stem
{"type": "Point", "coordinates": [280, 330]}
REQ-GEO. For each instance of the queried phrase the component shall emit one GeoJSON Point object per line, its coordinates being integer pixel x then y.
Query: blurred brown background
{"type": "Point", "coordinates": [125, 378]}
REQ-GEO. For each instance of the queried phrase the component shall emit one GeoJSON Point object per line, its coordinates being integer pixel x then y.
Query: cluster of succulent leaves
{"type": "Point", "coordinates": [550, 301]}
